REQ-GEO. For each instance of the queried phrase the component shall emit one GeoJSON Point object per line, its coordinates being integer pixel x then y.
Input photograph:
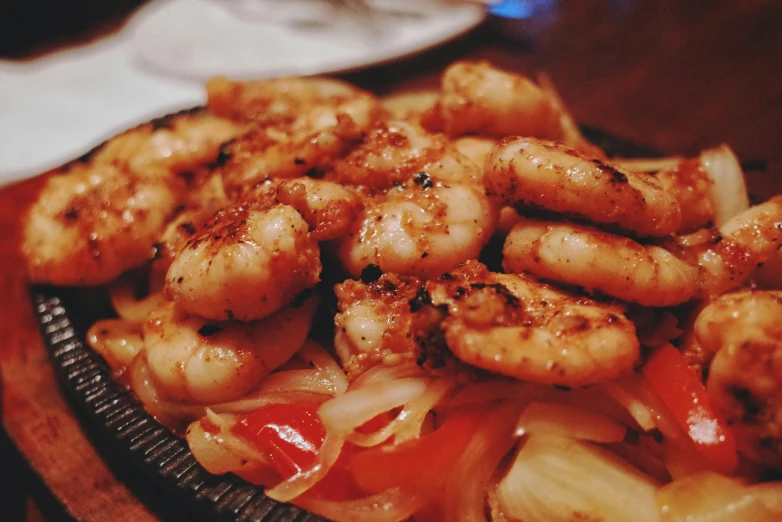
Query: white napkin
{"type": "Point", "coordinates": [55, 108]}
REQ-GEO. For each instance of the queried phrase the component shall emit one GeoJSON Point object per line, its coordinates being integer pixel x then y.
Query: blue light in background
{"type": "Point", "coordinates": [519, 9]}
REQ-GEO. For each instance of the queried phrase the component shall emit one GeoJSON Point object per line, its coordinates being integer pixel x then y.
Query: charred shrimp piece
{"type": "Point", "coordinates": [516, 326]}
{"type": "Point", "coordinates": [526, 172]}
{"type": "Point", "coordinates": [246, 263]}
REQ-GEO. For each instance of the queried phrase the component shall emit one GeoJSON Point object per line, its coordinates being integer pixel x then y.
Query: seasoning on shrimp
{"type": "Point", "coordinates": [530, 172]}
{"type": "Point", "coordinates": [247, 263]}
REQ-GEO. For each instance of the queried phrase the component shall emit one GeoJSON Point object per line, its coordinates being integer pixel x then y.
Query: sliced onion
{"type": "Point", "coordinates": [591, 399]}
{"type": "Point", "coordinates": [291, 488]}
{"type": "Point", "coordinates": [560, 479]}
{"type": "Point", "coordinates": [173, 414]}
{"type": "Point", "coordinates": [308, 381]}
{"type": "Point", "coordinates": [382, 373]}
{"type": "Point", "coordinates": [392, 505]}
{"type": "Point", "coordinates": [646, 407]}
{"type": "Point", "coordinates": [729, 190]}
{"type": "Point", "coordinates": [118, 341]}
{"type": "Point", "coordinates": [414, 414]}
{"type": "Point", "coordinates": [464, 496]}
{"type": "Point", "coordinates": [639, 410]}
{"type": "Point", "coordinates": [555, 419]}
{"type": "Point", "coordinates": [409, 422]}
{"type": "Point", "coordinates": [220, 452]}
{"type": "Point", "coordinates": [122, 293]}
{"type": "Point", "coordinates": [315, 354]}
{"type": "Point", "coordinates": [345, 413]}
{"type": "Point", "coordinates": [254, 402]}
{"type": "Point", "coordinates": [495, 508]}
{"type": "Point", "coordinates": [710, 497]}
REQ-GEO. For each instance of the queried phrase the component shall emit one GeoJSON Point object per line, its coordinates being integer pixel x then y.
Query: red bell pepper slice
{"type": "Point", "coordinates": [425, 461]}
{"type": "Point", "coordinates": [289, 434]}
{"type": "Point", "coordinates": [685, 396]}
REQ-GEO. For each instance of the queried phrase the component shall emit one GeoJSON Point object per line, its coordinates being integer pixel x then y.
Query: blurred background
{"type": "Point", "coordinates": [631, 67]}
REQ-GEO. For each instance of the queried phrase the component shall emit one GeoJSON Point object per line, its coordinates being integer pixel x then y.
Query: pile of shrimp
{"type": "Point", "coordinates": [301, 241]}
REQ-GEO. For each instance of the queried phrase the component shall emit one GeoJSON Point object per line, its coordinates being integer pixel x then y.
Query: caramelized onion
{"type": "Point", "coordinates": [117, 341]}
{"type": "Point", "coordinates": [729, 191]}
{"type": "Point", "coordinates": [710, 497]}
{"type": "Point", "coordinates": [558, 479]}
{"type": "Point", "coordinates": [554, 419]}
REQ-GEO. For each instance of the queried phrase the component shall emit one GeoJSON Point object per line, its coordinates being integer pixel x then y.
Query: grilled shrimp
{"type": "Point", "coordinates": [375, 324]}
{"type": "Point", "coordinates": [596, 260]}
{"type": "Point", "coordinates": [248, 261]}
{"type": "Point", "coordinates": [475, 148]}
{"type": "Point", "coordinates": [393, 152]}
{"type": "Point", "coordinates": [203, 203]}
{"type": "Point", "coordinates": [192, 359]}
{"type": "Point", "coordinates": [99, 216]}
{"type": "Point", "coordinates": [421, 228]}
{"type": "Point", "coordinates": [297, 125]}
{"type": "Point", "coordinates": [729, 254]}
{"type": "Point", "coordinates": [689, 183]}
{"type": "Point", "coordinates": [273, 153]}
{"type": "Point", "coordinates": [516, 326]}
{"type": "Point", "coordinates": [744, 332]}
{"type": "Point", "coordinates": [286, 102]}
{"type": "Point", "coordinates": [329, 209]}
{"type": "Point", "coordinates": [176, 143]}
{"type": "Point", "coordinates": [526, 171]}
{"type": "Point", "coordinates": [92, 224]}
{"type": "Point", "coordinates": [476, 98]}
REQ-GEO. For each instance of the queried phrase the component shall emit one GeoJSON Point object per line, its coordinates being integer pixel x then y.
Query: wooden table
{"type": "Point", "coordinates": [679, 76]}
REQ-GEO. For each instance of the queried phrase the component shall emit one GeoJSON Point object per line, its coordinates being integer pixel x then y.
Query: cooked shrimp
{"type": "Point", "coordinates": [176, 143]}
{"type": "Point", "coordinates": [596, 260]}
{"type": "Point", "coordinates": [526, 171]}
{"type": "Point", "coordinates": [689, 183]}
{"type": "Point", "coordinates": [271, 153]}
{"type": "Point", "coordinates": [192, 359]}
{"type": "Point", "coordinates": [329, 209]}
{"type": "Point", "coordinates": [421, 228]}
{"type": "Point", "coordinates": [475, 148]}
{"type": "Point", "coordinates": [744, 332]}
{"type": "Point", "coordinates": [375, 324]}
{"type": "Point", "coordinates": [298, 125]}
{"type": "Point", "coordinates": [393, 152]}
{"type": "Point", "coordinates": [204, 202]}
{"type": "Point", "coordinates": [509, 216]}
{"type": "Point", "coordinates": [92, 224]}
{"type": "Point", "coordinates": [729, 254]}
{"type": "Point", "coordinates": [476, 98]}
{"type": "Point", "coordinates": [286, 101]}
{"type": "Point", "coordinates": [516, 326]}
{"type": "Point", "coordinates": [409, 105]}
{"type": "Point", "coordinates": [249, 261]}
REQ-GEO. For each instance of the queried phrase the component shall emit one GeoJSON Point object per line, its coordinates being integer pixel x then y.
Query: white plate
{"type": "Point", "coordinates": [268, 38]}
{"type": "Point", "coordinates": [58, 107]}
